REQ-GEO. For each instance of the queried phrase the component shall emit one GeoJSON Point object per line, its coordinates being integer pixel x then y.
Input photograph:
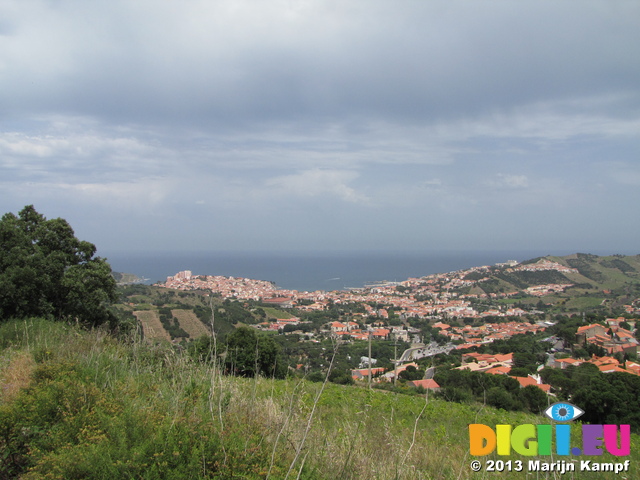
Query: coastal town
{"type": "Point", "coordinates": [432, 296]}
{"type": "Point", "coordinates": [454, 306]}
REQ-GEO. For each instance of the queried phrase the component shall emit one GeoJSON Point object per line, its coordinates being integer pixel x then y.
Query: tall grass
{"type": "Point", "coordinates": [80, 404]}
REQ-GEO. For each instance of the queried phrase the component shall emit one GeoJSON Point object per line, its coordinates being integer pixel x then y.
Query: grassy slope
{"type": "Point", "coordinates": [144, 302]}
{"type": "Point", "coordinates": [611, 277]}
{"type": "Point", "coordinates": [274, 313]}
{"type": "Point", "coordinates": [190, 323]}
{"type": "Point", "coordinates": [600, 273]}
{"type": "Point", "coordinates": [78, 404]}
{"type": "Point", "coordinates": [151, 325]}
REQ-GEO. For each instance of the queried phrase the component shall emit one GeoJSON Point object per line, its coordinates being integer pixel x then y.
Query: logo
{"type": "Point", "coordinates": [529, 439]}
{"type": "Point", "coordinates": [563, 412]}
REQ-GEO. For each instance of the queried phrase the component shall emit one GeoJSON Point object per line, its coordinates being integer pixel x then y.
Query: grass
{"type": "Point", "coordinates": [78, 404]}
{"type": "Point", "coordinates": [275, 313]}
{"type": "Point", "coordinates": [190, 323]}
{"type": "Point", "coordinates": [151, 325]}
{"type": "Point", "coordinates": [582, 303]}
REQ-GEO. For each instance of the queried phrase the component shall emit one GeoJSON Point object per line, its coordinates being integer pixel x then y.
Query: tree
{"type": "Point", "coordinates": [249, 354]}
{"type": "Point", "coordinates": [46, 271]}
{"type": "Point", "coordinates": [525, 361]}
{"type": "Point", "coordinates": [411, 373]}
{"type": "Point", "coordinates": [500, 398]}
{"type": "Point", "coordinates": [534, 399]}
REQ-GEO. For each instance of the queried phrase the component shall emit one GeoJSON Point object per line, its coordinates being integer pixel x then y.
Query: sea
{"type": "Point", "coordinates": [308, 272]}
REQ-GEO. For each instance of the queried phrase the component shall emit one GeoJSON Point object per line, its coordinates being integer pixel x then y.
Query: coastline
{"type": "Point", "coordinates": [310, 272]}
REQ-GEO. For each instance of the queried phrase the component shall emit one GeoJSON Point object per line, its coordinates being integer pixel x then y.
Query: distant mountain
{"type": "Point", "coordinates": [127, 278]}
{"type": "Point", "coordinates": [598, 281]}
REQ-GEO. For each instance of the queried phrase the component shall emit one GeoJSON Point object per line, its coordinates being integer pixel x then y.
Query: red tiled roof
{"type": "Point", "coordinates": [499, 370]}
{"type": "Point", "coordinates": [426, 384]}
{"type": "Point", "coordinates": [526, 381]}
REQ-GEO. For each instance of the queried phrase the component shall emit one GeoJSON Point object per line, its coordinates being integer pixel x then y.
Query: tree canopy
{"type": "Point", "coordinates": [46, 271]}
{"type": "Point", "coordinates": [250, 353]}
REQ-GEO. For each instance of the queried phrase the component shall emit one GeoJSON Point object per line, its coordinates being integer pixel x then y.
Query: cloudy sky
{"type": "Point", "coordinates": [293, 125]}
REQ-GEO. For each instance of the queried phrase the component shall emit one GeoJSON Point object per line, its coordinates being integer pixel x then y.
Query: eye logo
{"type": "Point", "coordinates": [563, 412]}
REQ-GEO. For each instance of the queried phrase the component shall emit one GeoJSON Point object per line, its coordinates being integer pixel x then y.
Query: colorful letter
{"type": "Point", "coordinates": [611, 440]}
{"type": "Point", "coordinates": [563, 439]}
{"type": "Point", "coordinates": [503, 432]}
{"type": "Point", "coordinates": [544, 439]}
{"type": "Point", "coordinates": [592, 439]}
{"type": "Point", "coordinates": [523, 440]}
{"type": "Point", "coordinates": [482, 439]}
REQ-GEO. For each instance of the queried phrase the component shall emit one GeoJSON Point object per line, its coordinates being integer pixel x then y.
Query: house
{"type": "Point", "coordinates": [473, 367]}
{"type": "Point", "coordinates": [506, 359]}
{"type": "Point", "coordinates": [563, 363]}
{"type": "Point", "coordinates": [600, 361]}
{"type": "Point", "coordinates": [589, 331]}
{"type": "Point", "coordinates": [363, 373]}
{"type": "Point", "coordinates": [611, 368]}
{"type": "Point", "coordinates": [283, 302]}
{"type": "Point", "coordinates": [624, 336]}
{"type": "Point", "coordinates": [632, 367]}
{"type": "Point", "coordinates": [529, 380]}
{"type": "Point", "coordinates": [427, 384]}
{"type": "Point", "coordinates": [501, 370]}
{"type": "Point", "coordinates": [364, 361]}
{"type": "Point", "coordinates": [381, 333]}
{"type": "Point", "coordinates": [441, 326]}
{"type": "Point", "coordinates": [338, 327]}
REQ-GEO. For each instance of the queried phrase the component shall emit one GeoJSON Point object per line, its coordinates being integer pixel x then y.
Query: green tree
{"type": "Point", "coordinates": [520, 372]}
{"type": "Point", "coordinates": [46, 271]}
{"type": "Point", "coordinates": [526, 361]}
{"type": "Point", "coordinates": [411, 373]}
{"type": "Point", "coordinates": [249, 354]}
{"type": "Point", "coordinates": [534, 399]}
{"type": "Point", "coordinates": [500, 398]}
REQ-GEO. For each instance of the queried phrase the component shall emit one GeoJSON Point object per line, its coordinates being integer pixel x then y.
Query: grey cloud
{"type": "Point", "coordinates": [439, 115]}
{"type": "Point", "coordinates": [238, 62]}
{"type": "Point", "coordinates": [317, 182]}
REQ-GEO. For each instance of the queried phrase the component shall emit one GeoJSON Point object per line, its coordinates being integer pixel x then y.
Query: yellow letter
{"type": "Point", "coordinates": [503, 432]}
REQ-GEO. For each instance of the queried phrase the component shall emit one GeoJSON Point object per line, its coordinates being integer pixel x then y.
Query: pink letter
{"type": "Point", "coordinates": [611, 440]}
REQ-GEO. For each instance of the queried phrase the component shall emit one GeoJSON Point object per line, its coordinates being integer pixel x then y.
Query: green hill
{"type": "Point", "coordinates": [81, 404]}
{"type": "Point", "coordinates": [598, 283]}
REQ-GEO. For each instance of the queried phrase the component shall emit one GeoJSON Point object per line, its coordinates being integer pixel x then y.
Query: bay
{"type": "Point", "coordinates": [307, 272]}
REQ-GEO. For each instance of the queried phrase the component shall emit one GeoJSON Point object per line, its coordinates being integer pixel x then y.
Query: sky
{"type": "Point", "coordinates": [325, 126]}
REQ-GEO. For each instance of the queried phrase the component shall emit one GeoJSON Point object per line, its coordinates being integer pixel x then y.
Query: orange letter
{"type": "Point", "coordinates": [482, 439]}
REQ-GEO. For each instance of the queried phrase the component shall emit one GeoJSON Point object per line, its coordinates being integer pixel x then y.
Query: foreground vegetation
{"type": "Point", "coordinates": [81, 404]}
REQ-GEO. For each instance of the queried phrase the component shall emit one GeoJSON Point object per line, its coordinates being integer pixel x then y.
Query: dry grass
{"type": "Point", "coordinates": [16, 375]}
{"type": "Point", "coordinates": [151, 325]}
{"type": "Point", "coordinates": [190, 323]}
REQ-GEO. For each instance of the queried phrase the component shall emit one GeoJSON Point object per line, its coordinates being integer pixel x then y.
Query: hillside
{"type": "Point", "coordinates": [81, 404]}
{"type": "Point", "coordinates": [127, 278]}
{"type": "Point", "coordinates": [168, 314]}
{"type": "Point", "coordinates": [589, 282]}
